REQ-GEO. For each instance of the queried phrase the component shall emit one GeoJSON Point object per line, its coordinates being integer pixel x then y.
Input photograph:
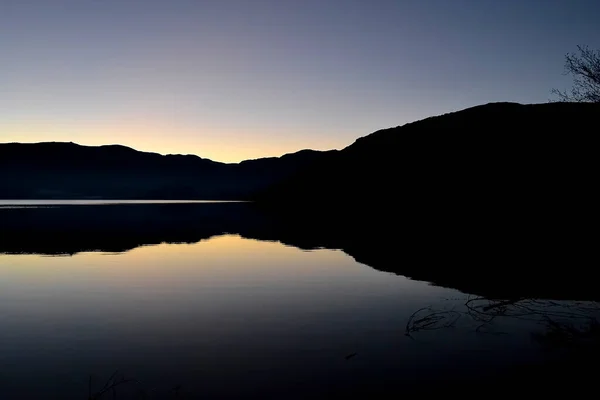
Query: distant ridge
{"type": "Point", "coordinates": [123, 148]}
{"type": "Point", "coordinates": [69, 170]}
{"type": "Point", "coordinates": [483, 156]}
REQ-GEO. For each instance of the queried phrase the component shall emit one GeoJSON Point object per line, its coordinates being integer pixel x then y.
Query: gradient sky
{"type": "Point", "coordinates": [237, 79]}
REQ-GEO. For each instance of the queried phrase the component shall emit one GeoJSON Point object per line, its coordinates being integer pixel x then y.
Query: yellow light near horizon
{"type": "Point", "coordinates": [227, 257]}
{"type": "Point", "coordinates": [214, 144]}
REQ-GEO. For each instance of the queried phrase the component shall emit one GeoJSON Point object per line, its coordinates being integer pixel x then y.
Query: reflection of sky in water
{"type": "Point", "coordinates": [264, 315]}
{"type": "Point", "coordinates": [12, 204]}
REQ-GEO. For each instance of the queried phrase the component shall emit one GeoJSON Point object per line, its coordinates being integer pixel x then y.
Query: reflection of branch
{"type": "Point", "coordinates": [110, 386]}
{"type": "Point", "coordinates": [116, 380]}
{"type": "Point", "coordinates": [431, 321]}
{"type": "Point", "coordinates": [576, 320]}
{"type": "Point", "coordinates": [563, 335]}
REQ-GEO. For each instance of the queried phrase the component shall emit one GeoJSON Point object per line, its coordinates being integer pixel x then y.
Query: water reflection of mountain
{"type": "Point", "coordinates": [493, 263]}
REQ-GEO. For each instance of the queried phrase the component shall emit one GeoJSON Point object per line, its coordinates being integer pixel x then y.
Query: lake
{"type": "Point", "coordinates": [220, 300]}
{"type": "Point", "coordinates": [51, 203]}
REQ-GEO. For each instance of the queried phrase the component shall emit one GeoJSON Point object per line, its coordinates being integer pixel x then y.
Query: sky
{"type": "Point", "coordinates": [237, 79]}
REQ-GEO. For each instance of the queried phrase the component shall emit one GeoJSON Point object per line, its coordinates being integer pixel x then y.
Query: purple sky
{"type": "Point", "coordinates": [237, 79]}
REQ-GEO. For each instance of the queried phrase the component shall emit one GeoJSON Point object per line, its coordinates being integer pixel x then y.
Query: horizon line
{"type": "Point", "coordinates": [168, 154]}
{"type": "Point", "coordinates": [284, 154]}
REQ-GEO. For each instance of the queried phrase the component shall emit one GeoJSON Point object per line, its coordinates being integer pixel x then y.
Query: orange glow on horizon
{"type": "Point", "coordinates": [216, 259]}
{"type": "Point", "coordinates": [212, 143]}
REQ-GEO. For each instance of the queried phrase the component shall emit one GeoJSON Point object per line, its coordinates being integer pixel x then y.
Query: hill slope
{"type": "Point", "coordinates": [496, 153]}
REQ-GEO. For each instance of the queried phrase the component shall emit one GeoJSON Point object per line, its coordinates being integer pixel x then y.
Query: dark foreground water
{"type": "Point", "coordinates": [207, 303]}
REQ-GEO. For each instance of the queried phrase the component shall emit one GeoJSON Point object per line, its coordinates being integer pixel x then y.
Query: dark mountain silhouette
{"type": "Point", "coordinates": [513, 183]}
{"type": "Point", "coordinates": [497, 198]}
{"type": "Point", "coordinates": [444, 260]}
{"type": "Point", "coordinates": [68, 170]}
{"type": "Point", "coordinates": [499, 153]}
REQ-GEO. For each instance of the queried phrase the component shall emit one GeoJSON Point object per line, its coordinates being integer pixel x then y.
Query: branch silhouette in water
{"type": "Point", "coordinates": [568, 323]}
{"type": "Point", "coordinates": [118, 380]}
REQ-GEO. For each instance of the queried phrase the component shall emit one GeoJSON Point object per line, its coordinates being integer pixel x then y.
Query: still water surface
{"type": "Point", "coordinates": [46, 203]}
{"type": "Point", "coordinates": [230, 317]}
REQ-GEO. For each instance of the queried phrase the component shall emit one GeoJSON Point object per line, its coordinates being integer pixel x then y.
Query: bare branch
{"type": "Point", "coordinates": [585, 69]}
